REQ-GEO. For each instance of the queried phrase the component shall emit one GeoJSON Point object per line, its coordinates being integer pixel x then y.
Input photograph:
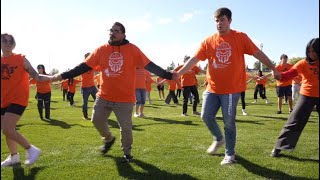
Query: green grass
{"type": "Point", "coordinates": [166, 145]}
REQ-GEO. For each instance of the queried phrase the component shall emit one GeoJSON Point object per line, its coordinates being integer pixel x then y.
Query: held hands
{"type": "Point", "coordinates": [276, 75]}
{"type": "Point", "coordinates": [56, 77]}
{"type": "Point", "coordinates": [175, 75]}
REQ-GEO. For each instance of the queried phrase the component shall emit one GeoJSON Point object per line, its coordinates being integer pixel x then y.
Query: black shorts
{"type": "Point", "coordinates": [284, 91]}
{"type": "Point", "coordinates": [13, 108]}
{"type": "Point", "coordinates": [160, 87]}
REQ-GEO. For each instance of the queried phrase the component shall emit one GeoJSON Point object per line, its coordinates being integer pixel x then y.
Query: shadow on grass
{"type": "Point", "coordinates": [298, 159]}
{"type": "Point", "coordinates": [169, 121]}
{"type": "Point", "coordinates": [56, 122]}
{"type": "Point", "coordinates": [250, 122]}
{"type": "Point", "coordinates": [266, 172]}
{"type": "Point", "coordinates": [18, 172]}
{"type": "Point", "coordinates": [272, 117]}
{"type": "Point", "coordinates": [149, 171]}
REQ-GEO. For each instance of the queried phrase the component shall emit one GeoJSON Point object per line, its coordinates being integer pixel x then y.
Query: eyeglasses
{"type": "Point", "coordinates": [114, 31]}
{"type": "Point", "coordinates": [5, 41]}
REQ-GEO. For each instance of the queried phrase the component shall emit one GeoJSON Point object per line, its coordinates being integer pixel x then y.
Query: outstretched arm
{"type": "Point", "coordinates": [151, 67]}
{"type": "Point", "coordinates": [76, 71]}
{"type": "Point", "coordinates": [33, 73]}
{"type": "Point", "coordinates": [266, 61]}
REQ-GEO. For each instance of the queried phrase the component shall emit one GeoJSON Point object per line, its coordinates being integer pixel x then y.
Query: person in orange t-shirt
{"type": "Point", "coordinates": [149, 82]}
{"type": "Point", "coordinates": [284, 87]}
{"type": "Point", "coordinates": [172, 85]}
{"type": "Point", "coordinates": [15, 71]}
{"type": "Point", "coordinates": [226, 78]}
{"type": "Point", "coordinates": [261, 82]}
{"type": "Point", "coordinates": [308, 69]}
{"type": "Point", "coordinates": [242, 96]}
{"type": "Point", "coordinates": [141, 82]}
{"type": "Point", "coordinates": [87, 88]}
{"type": "Point", "coordinates": [160, 87]}
{"type": "Point", "coordinates": [189, 86]}
{"type": "Point", "coordinates": [43, 93]}
{"type": "Point", "coordinates": [64, 89]}
{"type": "Point", "coordinates": [179, 88]}
{"type": "Point", "coordinates": [296, 85]}
{"type": "Point", "coordinates": [72, 84]}
{"type": "Point", "coordinates": [118, 61]}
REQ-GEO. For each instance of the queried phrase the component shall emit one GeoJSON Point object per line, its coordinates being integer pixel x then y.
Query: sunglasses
{"type": "Point", "coordinates": [5, 41]}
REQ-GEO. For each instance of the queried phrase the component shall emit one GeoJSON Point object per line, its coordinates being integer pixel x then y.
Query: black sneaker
{"type": "Point", "coordinates": [275, 152]}
{"type": "Point", "coordinates": [127, 158]}
{"type": "Point", "coordinates": [107, 146]}
{"type": "Point", "coordinates": [279, 112]}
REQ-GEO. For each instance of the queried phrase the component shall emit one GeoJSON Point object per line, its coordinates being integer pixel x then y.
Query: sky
{"type": "Point", "coordinates": [57, 33]}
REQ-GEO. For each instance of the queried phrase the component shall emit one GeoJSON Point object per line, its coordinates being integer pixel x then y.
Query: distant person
{"type": "Point", "coordinates": [243, 95]}
{"type": "Point", "coordinates": [87, 88]}
{"type": "Point", "coordinates": [226, 78]}
{"type": "Point", "coordinates": [15, 72]}
{"type": "Point", "coordinates": [260, 87]}
{"type": "Point", "coordinates": [140, 85]}
{"type": "Point", "coordinates": [118, 60]}
{"type": "Point", "coordinates": [97, 79]}
{"type": "Point", "coordinates": [43, 94]}
{"type": "Point", "coordinates": [149, 82]}
{"type": "Point", "coordinates": [284, 87]}
{"type": "Point", "coordinates": [171, 95]}
{"type": "Point", "coordinates": [189, 85]}
{"type": "Point", "coordinates": [160, 87]}
{"type": "Point", "coordinates": [179, 88]}
{"type": "Point", "coordinates": [72, 85]}
{"type": "Point", "coordinates": [296, 85]}
{"type": "Point", "coordinates": [64, 89]}
{"type": "Point", "coordinates": [308, 69]}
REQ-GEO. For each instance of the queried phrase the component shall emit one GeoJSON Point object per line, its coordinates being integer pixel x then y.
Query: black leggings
{"type": "Point", "coordinates": [262, 91]}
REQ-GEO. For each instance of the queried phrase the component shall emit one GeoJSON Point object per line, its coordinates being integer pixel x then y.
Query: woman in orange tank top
{"type": "Point", "coordinates": [15, 71]}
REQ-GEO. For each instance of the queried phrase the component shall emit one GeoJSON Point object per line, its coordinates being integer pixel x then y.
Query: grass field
{"type": "Point", "coordinates": [166, 145]}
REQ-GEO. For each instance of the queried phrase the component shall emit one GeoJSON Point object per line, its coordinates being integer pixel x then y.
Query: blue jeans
{"type": "Point", "coordinates": [86, 92]}
{"type": "Point", "coordinates": [140, 96]}
{"type": "Point", "coordinates": [228, 103]}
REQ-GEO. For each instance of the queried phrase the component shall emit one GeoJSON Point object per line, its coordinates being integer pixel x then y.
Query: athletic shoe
{"type": "Point", "coordinates": [244, 112]}
{"type": "Point", "coordinates": [228, 160]}
{"type": "Point", "coordinates": [275, 152]}
{"type": "Point", "coordinates": [136, 115]}
{"type": "Point", "coordinates": [11, 160]}
{"type": "Point", "coordinates": [127, 158]}
{"type": "Point", "coordinates": [107, 146]}
{"type": "Point", "coordinates": [142, 115]}
{"type": "Point", "coordinates": [184, 114]}
{"type": "Point", "coordinates": [267, 101]}
{"type": "Point", "coordinates": [215, 146]}
{"type": "Point", "coordinates": [255, 101]}
{"type": "Point", "coordinates": [33, 154]}
{"type": "Point", "coordinates": [196, 113]}
{"type": "Point", "coordinates": [279, 112]}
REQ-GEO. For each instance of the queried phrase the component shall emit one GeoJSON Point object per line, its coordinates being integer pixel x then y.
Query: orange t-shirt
{"type": "Point", "coordinates": [141, 79]}
{"type": "Point", "coordinates": [261, 81]}
{"type": "Point", "coordinates": [172, 84]}
{"type": "Point", "coordinates": [87, 79]}
{"type": "Point", "coordinates": [179, 84]}
{"type": "Point", "coordinates": [42, 87]}
{"type": "Point", "coordinates": [226, 72]}
{"type": "Point", "coordinates": [297, 80]}
{"type": "Point", "coordinates": [64, 84]}
{"type": "Point", "coordinates": [159, 79]}
{"type": "Point", "coordinates": [283, 68]}
{"type": "Point", "coordinates": [14, 81]}
{"type": "Point", "coordinates": [72, 87]}
{"type": "Point", "coordinates": [118, 68]}
{"type": "Point", "coordinates": [189, 78]}
{"type": "Point", "coordinates": [149, 82]}
{"type": "Point", "coordinates": [310, 77]}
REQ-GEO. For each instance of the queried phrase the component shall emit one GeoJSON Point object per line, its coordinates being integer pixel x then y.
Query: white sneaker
{"type": "Point", "coordinates": [228, 160]}
{"type": "Point", "coordinates": [255, 101]}
{"type": "Point", "coordinates": [136, 115]}
{"type": "Point", "coordinates": [33, 154]}
{"type": "Point", "coordinates": [244, 112]}
{"type": "Point", "coordinates": [267, 101]}
{"type": "Point", "coordinates": [184, 114]}
{"type": "Point", "coordinates": [215, 146]}
{"type": "Point", "coordinates": [11, 160]}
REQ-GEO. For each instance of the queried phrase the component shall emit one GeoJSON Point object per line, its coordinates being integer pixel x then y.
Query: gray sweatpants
{"type": "Point", "coordinates": [123, 111]}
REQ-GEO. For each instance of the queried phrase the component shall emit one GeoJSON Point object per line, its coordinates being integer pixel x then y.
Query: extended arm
{"type": "Point", "coordinates": [151, 67]}
{"type": "Point", "coordinates": [266, 61]}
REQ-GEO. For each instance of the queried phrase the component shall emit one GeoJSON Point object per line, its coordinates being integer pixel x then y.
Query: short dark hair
{"type": "Point", "coordinates": [122, 28]}
{"type": "Point", "coordinates": [223, 11]}
{"type": "Point", "coordinates": [314, 43]}
{"type": "Point", "coordinates": [283, 56]}
{"type": "Point", "coordinates": [7, 34]}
